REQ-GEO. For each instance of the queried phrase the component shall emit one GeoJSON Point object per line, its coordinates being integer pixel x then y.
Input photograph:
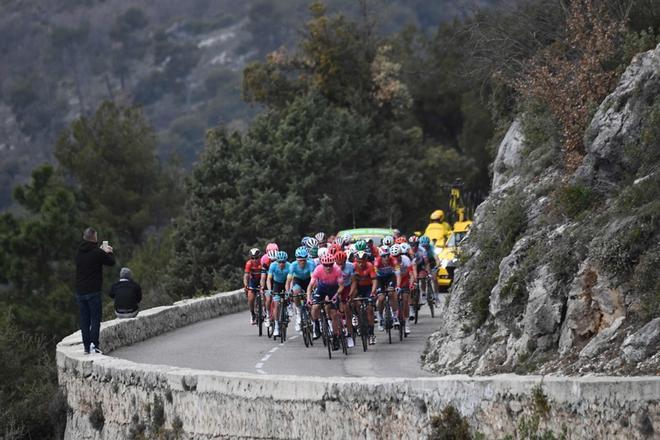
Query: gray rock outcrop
{"type": "Point", "coordinates": [574, 291]}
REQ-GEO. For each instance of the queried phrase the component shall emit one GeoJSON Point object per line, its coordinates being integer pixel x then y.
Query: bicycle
{"type": "Point", "coordinates": [425, 286]}
{"type": "Point", "coordinates": [363, 321]}
{"type": "Point", "coordinates": [325, 329]}
{"type": "Point", "coordinates": [387, 313]}
{"type": "Point", "coordinates": [283, 317]}
{"type": "Point", "coordinates": [305, 320]}
{"type": "Point", "coordinates": [343, 333]}
{"type": "Point", "coordinates": [430, 295]}
{"type": "Point", "coordinates": [414, 300]}
{"type": "Point", "coordinates": [259, 309]}
{"type": "Point", "coordinates": [402, 321]}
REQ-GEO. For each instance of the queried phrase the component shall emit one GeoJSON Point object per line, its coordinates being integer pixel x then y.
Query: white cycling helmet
{"type": "Point", "coordinates": [320, 236]}
{"type": "Point", "coordinates": [384, 251]}
{"type": "Point", "coordinates": [323, 251]}
{"type": "Point", "coordinates": [388, 240]}
{"type": "Point", "coordinates": [405, 248]}
{"type": "Point", "coordinates": [395, 250]}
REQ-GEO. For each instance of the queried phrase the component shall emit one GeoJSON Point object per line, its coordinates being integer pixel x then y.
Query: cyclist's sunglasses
{"type": "Point", "coordinates": [254, 257]}
{"type": "Point", "coordinates": [329, 265]}
{"type": "Point", "coordinates": [301, 259]}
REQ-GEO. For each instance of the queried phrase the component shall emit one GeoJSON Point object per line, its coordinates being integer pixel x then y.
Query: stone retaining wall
{"type": "Point", "coordinates": [119, 399]}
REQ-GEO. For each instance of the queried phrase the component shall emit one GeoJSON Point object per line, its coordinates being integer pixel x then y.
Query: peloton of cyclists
{"type": "Point", "coordinates": [339, 270]}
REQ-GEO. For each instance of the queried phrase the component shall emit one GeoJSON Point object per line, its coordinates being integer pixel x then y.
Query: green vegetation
{"type": "Point", "coordinates": [353, 122]}
{"type": "Point", "coordinates": [496, 236]}
{"type": "Point", "coordinates": [450, 425]}
{"type": "Point", "coordinates": [574, 200]}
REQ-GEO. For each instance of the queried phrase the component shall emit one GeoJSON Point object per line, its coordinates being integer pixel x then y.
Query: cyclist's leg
{"type": "Point", "coordinates": [250, 296]}
{"type": "Point", "coordinates": [267, 304]}
{"type": "Point", "coordinates": [333, 311]}
{"type": "Point", "coordinates": [394, 302]}
{"type": "Point", "coordinates": [405, 302]}
{"type": "Point", "coordinates": [380, 302]}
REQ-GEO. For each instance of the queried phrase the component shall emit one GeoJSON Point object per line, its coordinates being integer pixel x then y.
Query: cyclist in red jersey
{"type": "Point", "coordinates": [364, 285]}
{"type": "Point", "coordinates": [266, 261]}
{"type": "Point", "coordinates": [251, 280]}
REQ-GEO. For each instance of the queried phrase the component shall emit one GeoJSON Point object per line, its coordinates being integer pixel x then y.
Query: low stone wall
{"type": "Point", "coordinates": [118, 399]}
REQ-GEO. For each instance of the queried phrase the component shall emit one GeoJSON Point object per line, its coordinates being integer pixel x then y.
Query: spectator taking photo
{"type": "Point", "coordinates": [90, 260]}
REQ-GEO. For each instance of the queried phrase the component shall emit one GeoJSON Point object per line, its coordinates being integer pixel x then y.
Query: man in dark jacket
{"type": "Point", "coordinates": [90, 260]}
{"type": "Point", "coordinates": [127, 295]}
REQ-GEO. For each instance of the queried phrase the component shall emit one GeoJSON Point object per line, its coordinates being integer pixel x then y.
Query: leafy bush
{"type": "Point", "coordinates": [647, 283]}
{"type": "Point", "coordinates": [574, 201]}
{"type": "Point", "coordinates": [450, 425]}
{"type": "Point", "coordinates": [570, 75]}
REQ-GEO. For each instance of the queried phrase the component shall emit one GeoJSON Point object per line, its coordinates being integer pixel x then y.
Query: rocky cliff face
{"type": "Point", "coordinates": [560, 272]}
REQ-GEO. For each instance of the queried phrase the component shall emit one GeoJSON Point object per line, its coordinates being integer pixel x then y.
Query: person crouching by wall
{"type": "Point", "coordinates": [127, 295]}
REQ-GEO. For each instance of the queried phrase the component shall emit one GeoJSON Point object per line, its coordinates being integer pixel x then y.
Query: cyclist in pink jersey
{"type": "Point", "coordinates": [327, 284]}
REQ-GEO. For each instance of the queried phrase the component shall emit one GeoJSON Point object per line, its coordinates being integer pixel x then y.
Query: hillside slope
{"type": "Point", "coordinates": [560, 273]}
{"type": "Point", "coordinates": [182, 61]}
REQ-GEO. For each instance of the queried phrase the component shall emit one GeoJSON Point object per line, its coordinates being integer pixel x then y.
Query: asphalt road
{"type": "Point", "coordinates": [230, 343]}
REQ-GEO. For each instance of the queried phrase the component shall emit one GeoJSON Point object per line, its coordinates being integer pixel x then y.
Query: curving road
{"type": "Point", "coordinates": [230, 343]}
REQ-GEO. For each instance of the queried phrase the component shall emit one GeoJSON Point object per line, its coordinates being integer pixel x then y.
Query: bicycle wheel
{"type": "Point", "coordinates": [402, 322]}
{"type": "Point", "coordinates": [260, 314]}
{"type": "Point", "coordinates": [430, 297]}
{"type": "Point", "coordinates": [326, 337]}
{"type": "Point", "coordinates": [305, 336]}
{"type": "Point", "coordinates": [364, 328]}
{"type": "Point", "coordinates": [284, 321]}
{"type": "Point", "coordinates": [388, 321]}
{"type": "Point", "coordinates": [344, 342]}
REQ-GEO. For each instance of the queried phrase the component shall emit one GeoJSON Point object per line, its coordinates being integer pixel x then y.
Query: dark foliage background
{"type": "Point", "coordinates": [187, 134]}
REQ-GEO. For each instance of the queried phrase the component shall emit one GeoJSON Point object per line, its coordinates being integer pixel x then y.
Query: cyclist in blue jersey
{"type": "Point", "coordinates": [276, 283]}
{"type": "Point", "coordinates": [300, 273]}
{"type": "Point", "coordinates": [427, 246]}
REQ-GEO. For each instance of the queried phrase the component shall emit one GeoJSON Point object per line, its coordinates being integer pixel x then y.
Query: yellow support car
{"type": "Point", "coordinates": [448, 257]}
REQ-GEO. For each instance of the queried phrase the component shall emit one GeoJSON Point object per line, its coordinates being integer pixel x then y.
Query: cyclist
{"type": "Point", "coordinates": [364, 285]}
{"type": "Point", "coordinates": [300, 273]}
{"type": "Point", "coordinates": [251, 280]}
{"type": "Point", "coordinates": [314, 255]}
{"type": "Point", "coordinates": [421, 263]}
{"type": "Point", "coordinates": [344, 305]}
{"type": "Point", "coordinates": [320, 237]}
{"type": "Point", "coordinates": [277, 275]}
{"type": "Point", "coordinates": [372, 249]}
{"type": "Point", "coordinates": [406, 250]}
{"type": "Point", "coordinates": [327, 284]}
{"type": "Point", "coordinates": [266, 260]}
{"type": "Point", "coordinates": [387, 275]}
{"type": "Point", "coordinates": [344, 241]}
{"type": "Point", "coordinates": [425, 243]}
{"type": "Point", "coordinates": [388, 240]}
{"type": "Point", "coordinates": [404, 267]}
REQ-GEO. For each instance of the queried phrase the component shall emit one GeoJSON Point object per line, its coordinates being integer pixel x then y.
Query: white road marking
{"type": "Point", "coordinates": [261, 372]}
{"type": "Point", "coordinates": [273, 350]}
{"type": "Point", "coordinates": [293, 337]}
{"type": "Point", "coordinates": [259, 365]}
{"type": "Point", "coordinates": [265, 358]}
